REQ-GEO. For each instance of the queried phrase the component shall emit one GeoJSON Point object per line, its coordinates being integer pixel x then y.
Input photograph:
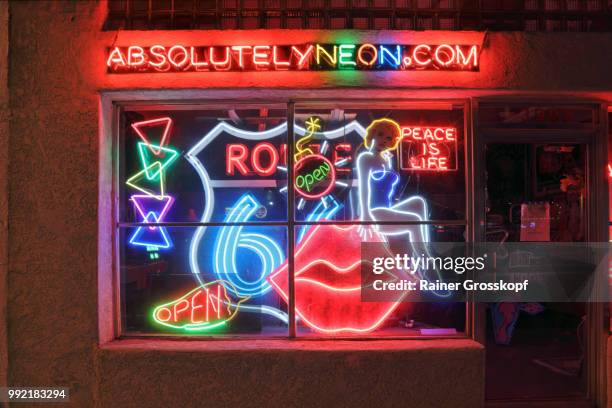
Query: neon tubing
{"type": "Point", "coordinates": [231, 237]}
{"type": "Point", "coordinates": [144, 148]}
{"type": "Point", "coordinates": [165, 121]}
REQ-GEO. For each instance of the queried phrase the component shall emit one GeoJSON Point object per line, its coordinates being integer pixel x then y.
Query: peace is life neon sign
{"type": "Point", "coordinates": [302, 57]}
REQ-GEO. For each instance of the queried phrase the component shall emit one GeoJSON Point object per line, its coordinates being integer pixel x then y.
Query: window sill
{"type": "Point", "coordinates": [283, 373]}
{"type": "Point", "coordinates": [291, 345]}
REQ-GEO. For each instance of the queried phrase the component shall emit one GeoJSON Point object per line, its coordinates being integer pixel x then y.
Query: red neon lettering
{"type": "Point", "coordinates": [433, 149]}
{"type": "Point", "coordinates": [448, 52]}
{"type": "Point", "coordinates": [373, 52]}
{"type": "Point", "coordinates": [135, 52]}
{"type": "Point", "coordinates": [303, 56]}
{"type": "Point", "coordinates": [181, 58]}
{"type": "Point", "coordinates": [235, 155]}
{"type": "Point", "coordinates": [220, 65]}
{"type": "Point", "coordinates": [162, 60]}
{"type": "Point", "coordinates": [176, 310]}
{"type": "Point", "coordinates": [472, 55]}
{"type": "Point", "coordinates": [429, 163]}
{"type": "Point", "coordinates": [168, 314]}
{"type": "Point", "coordinates": [442, 163]}
{"type": "Point", "coordinates": [240, 49]}
{"type": "Point", "coordinates": [211, 305]}
{"type": "Point", "coordinates": [417, 51]}
{"type": "Point", "coordinates": [451, 134]}
{"type": "Point", "coordinates": [283, 154]}
{"type": "Point", "coordinates": [278, 64]}
{"type": "Point", "coordinates": [194, 59]}
{"type": "Point", "coordinates": [440, 134]}
{"type": "Point", "coordinates": [115, 58]}
{"type": "Point", "coordinates": [436, 147]}
{"type": "Point", "coordinates": [416, 133]}
{"type": "Point", "coordinates": [195, 307]}
{"type": "Point", "coordinates": [261, 55]}
{"type": "Point", "coordinates": [256, 159]}
{"type": "Point", "coordinates": [180, 50]}
{"type": "Point", "coordinates": [342, 147]}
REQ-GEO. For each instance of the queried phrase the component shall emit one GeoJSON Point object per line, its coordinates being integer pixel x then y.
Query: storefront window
{"type": "Point", "coordinates": [205, 217]}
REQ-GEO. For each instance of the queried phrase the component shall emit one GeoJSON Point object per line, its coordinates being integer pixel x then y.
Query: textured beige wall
{"type": "Point", "coordinates": [4, 136]}
{"type": "Point", "coordinates": [52, 329]}
{"type": "Point", "coordinates": [57, 69]}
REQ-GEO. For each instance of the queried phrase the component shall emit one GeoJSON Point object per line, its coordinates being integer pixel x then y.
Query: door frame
{"type": "Point", "coordinates": [596, 140]}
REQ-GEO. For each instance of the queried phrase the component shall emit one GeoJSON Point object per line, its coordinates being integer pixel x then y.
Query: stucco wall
{"type": "Point", "coordinates": [434, 373]}
{"type": "Point", "coordinates": [4, 135]}
{"type": "Point", "coordinates": [57, 71]}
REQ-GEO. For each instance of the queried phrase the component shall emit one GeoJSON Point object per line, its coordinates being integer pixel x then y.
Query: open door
{"type": "Point", "coordinates": [540, 176]}
{"type": "Point", "coordinates": [536, 192]}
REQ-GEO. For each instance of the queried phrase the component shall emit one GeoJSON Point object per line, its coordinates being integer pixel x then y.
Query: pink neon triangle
{"type": "Point", "coordinates": [141, 127]}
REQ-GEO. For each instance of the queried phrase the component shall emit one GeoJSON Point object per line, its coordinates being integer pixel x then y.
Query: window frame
{"type": "Point", "coordinates": [118, 106]}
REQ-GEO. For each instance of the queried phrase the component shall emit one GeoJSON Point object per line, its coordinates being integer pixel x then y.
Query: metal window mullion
{"type": "Point", "coordinates": [290, 220]}
{"type": "Point", "coordinates": [444, 223]}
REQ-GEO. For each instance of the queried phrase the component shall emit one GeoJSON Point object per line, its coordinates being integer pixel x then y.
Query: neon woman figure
{"type": "Point", "coordinates": [377, 182]}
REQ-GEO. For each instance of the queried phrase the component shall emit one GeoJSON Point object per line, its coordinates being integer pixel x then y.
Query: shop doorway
{"type": "Point", "coordinates": [541, 165]}
{"type": "Point", "coordinates": [536, 192]}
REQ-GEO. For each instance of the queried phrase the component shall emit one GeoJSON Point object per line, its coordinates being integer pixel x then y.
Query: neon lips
{"type": "Point", "coordinates": [328, 290]}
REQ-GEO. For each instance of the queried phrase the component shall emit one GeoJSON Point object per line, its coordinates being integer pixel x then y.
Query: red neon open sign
{"type": "Point", "coordinates": [428, 148]}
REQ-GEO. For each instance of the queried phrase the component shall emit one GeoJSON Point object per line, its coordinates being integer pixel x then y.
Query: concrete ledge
{"type": "Point", "coordinates": [281, 373]}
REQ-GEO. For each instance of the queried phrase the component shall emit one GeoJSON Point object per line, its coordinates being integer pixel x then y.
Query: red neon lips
{"type": "Point", "coordinates": [328, 282]}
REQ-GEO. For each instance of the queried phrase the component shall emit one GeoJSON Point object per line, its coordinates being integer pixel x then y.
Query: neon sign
{"type": "Point", "coordinates": [154, 204]}
{"type": "Point", "coordinates": [204, 308]}
{"type": "Point", "coordinates": [151, 210]}
{"type": "Point", "coordinates": [264, 158]}
{"type": "Point", "coordinates": [231, 238]}
{"type": "Point", "coordinates": [428, 148]}
{"type": "Point", "coordinates": [328, 283]}
{"type": "Point", "coordinates": [315, 176]}
{"type": "Point", "coordinates": [139, 127]}
{"type": "Point", "coordinates": [302, 57]}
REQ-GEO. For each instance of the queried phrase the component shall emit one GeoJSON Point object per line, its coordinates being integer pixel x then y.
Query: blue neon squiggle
{"type": "Point", "coordinates": [232, 237]}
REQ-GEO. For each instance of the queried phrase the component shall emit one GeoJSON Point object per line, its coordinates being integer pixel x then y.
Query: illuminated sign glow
{"type": "Point", "coordinates": [328, 283]}
{"type": "Point", "coordinates": [314, 176]}
{"type": "Point", "coordinates": [231, 238]}
{"type": "Point", "coordinates": [428, 148]}
{"type": "Point", "coordinates": [264, 158]}
{"type": "Point", "coordinates": [303, 57]}
{"type": "Point", "coordinates": [204, 308]}
{"type": "Point", "coordinates": [153, 206]}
